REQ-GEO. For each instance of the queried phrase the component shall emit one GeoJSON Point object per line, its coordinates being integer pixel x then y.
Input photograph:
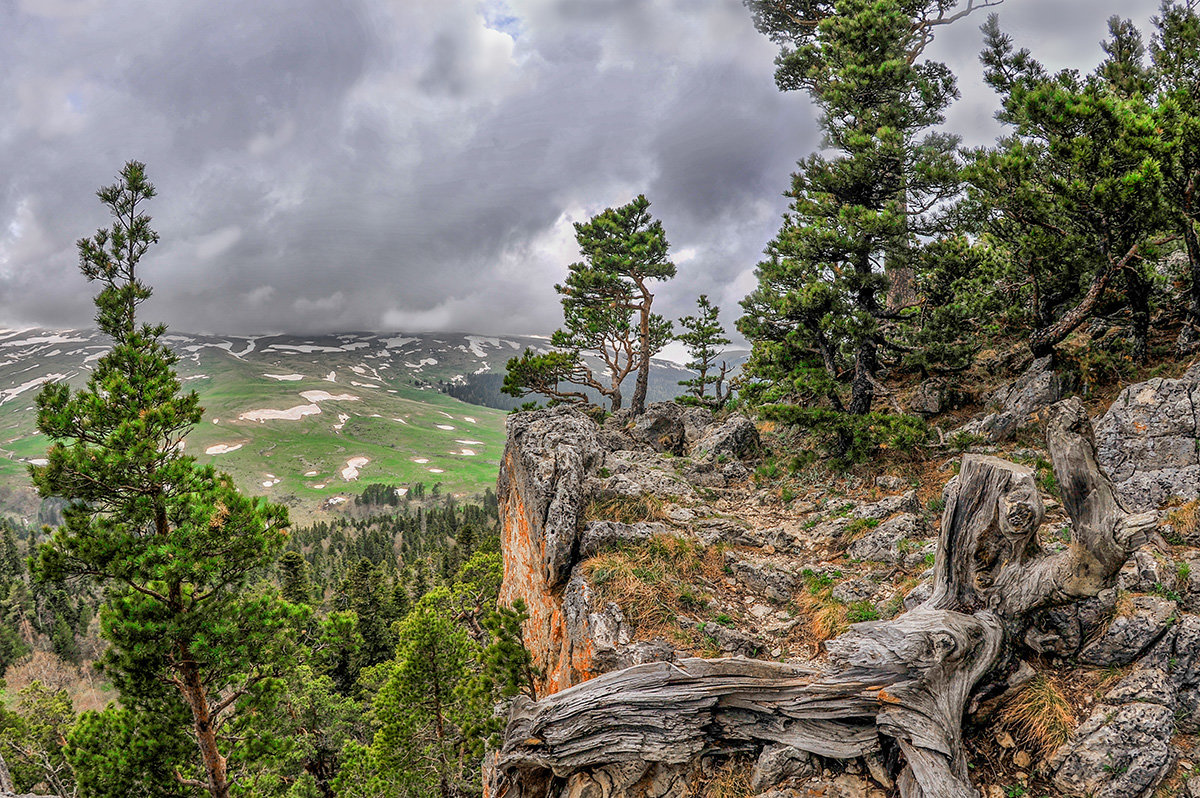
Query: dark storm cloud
{"type": "Point", "coordinates": [412, 164]}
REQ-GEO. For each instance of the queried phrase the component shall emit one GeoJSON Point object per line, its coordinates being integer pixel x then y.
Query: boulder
{"type": "Point", "coordinates": [882, 544]}
{"type": "Point", "coordinates": [1122, 751]}
{"type": "Point", "coordinates": [1036, 389]}
{"type": "Point", "coordinates": [736, 437]}
{"type": "Point", "coordinates": [904, 503]}
{"type": "Point", "coordinates": [1131, 633]}
{"type": "Point", "coordinates": [601, 535]}
{"type": "Point", "coordinates": [661, 427]}
{"type": "Point", "coordinates": [1147, 441]}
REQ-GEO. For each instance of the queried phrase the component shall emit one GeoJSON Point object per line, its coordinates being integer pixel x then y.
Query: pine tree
{"type": "Point", "coordinates": [606, 302]}
{"type": "Point", "coordinates": [819, 319]}
{"type": "Point", "coordinates": [177, 546]}
{"type": "Point", "coordinates": [704, 337]}
{"type": "Point", "coordinates": [1073, 199]}
{"type": "Point", "coordinates": [1175, 59]}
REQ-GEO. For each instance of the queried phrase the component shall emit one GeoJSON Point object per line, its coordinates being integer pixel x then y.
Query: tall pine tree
{"type": "Point", "coordinates": [177, 546]}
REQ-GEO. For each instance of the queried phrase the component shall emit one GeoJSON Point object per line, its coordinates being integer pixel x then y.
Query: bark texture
{"type": "Point", "coordinates": [891, 689]}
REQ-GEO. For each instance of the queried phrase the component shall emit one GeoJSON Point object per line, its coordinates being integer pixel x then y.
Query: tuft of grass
{"type": "Point", "coordinates": [731, 781]}
{"type": "Point", "coordinates": [1039, 716]}
{"type": "Point", "coordinates": [1185, 521]}
{"type": "Point", "coordinates": [654, 581]}
{"type": "Point", "coordinates": [626, 509]}
{"type": "Point", "coordinates": [861, 611]}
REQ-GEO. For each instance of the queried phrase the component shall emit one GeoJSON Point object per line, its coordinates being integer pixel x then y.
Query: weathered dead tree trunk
{"type": "Point", "coordinates": [900, 685]}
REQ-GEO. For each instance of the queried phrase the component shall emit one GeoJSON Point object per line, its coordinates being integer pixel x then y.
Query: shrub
{"type": "Point", "coordinates": [848, 439]}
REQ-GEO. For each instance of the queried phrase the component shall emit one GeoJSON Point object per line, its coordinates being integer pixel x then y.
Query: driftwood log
{"type": "Point", "coordinates": [896, 688]}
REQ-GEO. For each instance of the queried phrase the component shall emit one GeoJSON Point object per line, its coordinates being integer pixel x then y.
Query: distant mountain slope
{"type": "Point", "coordinates": [306, 420]}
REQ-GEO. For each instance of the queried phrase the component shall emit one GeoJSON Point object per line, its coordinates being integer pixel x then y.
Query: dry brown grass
{"type": "Point", "coordinates": [825, 617]}
{"type": "Point", "coordinates": [732, 781]}
{"type": "Point", "coordinates": [655, 581]}
{"type": "Point", "coordinates": [1185, 520]}
{"type": "Point", "coordinates": [626, 509]}
{"type": "Point", "coordinates": [86, 689]}
{"type": "Point", "coordinates": [1040, 716]}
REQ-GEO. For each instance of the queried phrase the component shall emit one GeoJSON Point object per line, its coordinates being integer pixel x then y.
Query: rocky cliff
{"type": "Point", "coordinates": [647, 549]}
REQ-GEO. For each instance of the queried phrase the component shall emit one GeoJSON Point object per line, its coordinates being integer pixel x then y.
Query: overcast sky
{"type": "Point", "coordinates": [413, 164]}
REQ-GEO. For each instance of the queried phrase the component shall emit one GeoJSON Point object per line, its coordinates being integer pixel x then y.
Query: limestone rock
{"type": "Point", "coordinates": [1147, 441]}
{"type": "Point", "coordinates": [1131, 634]}
{"type": "Point", "coordinates": [1121, 751]}
{"type": "Point", "coordinates": [661, 427]}
{"type": "Point", "coordinates": [890, 505]}
{"type": "Point", "coordinates": [601, 535]}
{"type": "Point", "coordinates": [696, 421]}
{"type": "Point", "coordinates": [1036, 389]}
{"type": "Point", "coordinates": [762, 576]}
{"type": "Point", "coordinates": [778, 762]}
{"type": "Point", "coordinates": [882, 544]}
{"type": "Point", "coordinates": [736, 437]}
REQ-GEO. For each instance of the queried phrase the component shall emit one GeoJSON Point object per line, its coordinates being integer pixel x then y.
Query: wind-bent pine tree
{"type": "Point", "coordinates": [606, 302]}
{"type": "Point", "coordinates": [1074, 197]}
{"type": "Point", "coordinates": [178, 548]}
{"type": "Point", "coordinates": [1175, 60]}
{"type": "Point", "coordinates": [704, 338]}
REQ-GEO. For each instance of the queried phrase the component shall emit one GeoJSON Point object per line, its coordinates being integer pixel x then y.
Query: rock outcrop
{"type": "Point", "coordinates": [1149, 441]}
{"type": "Point", "coordinates": [1015, 403]}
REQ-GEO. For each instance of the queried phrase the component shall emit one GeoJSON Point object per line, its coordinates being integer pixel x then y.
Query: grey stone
{"type": "Point", "coordinates": [1145, 685]}
{"type": "Point", "coordinates": [696, 420]}
{"type": "Point", "coordinates": [762, 577]}
{"type": "Point", "coordinates": [661, 427]}
{"type": "Point", "coordinates": [905, 503]}
{"type": "Point", "coordinates": [918, 595]}
{"type": "Point", "coordinates": [882, 544]}
{"type": "Point", "coordinates": [849, 591]}
{"type": "Point", "coordinates": [1119, 752]}
{"type": "Point", "coordinates": [1130, 634]}
{"type": "Point", "coordinates": [547, 459]}
{"type": "Point", "coordinates": [1036, 389]}
{"type": "Point", "coordinates": [778, 762]}
{"type": "Point", "coordinates": [736, 437]}
{"type": "Point", "coordinates": [1147, 441]}
{"type": "Point", "coordinates": [889, 482]}
{"type": "Point", "coordinates": [927, 400]}
{"type": "Point", "coordinates": [600, 535]}
{"type": "Point", "coordinates": [1143, 573]}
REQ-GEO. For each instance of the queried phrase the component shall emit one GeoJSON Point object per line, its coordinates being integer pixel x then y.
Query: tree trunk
{"type": "Point", "coordinates": [6, 782]}
{"type": "Point", "coordinates": [902, 277]}
{"type": "Point", "coordinates": [1043, 340]}
{"type": "Point", "coordinates": [893, 685]}
{"type": "Point", "coordinates": [1137, 287]}
{"type": "Point", "coordinates": [638, 403]}
{"type": "Point", "coordinates": [1189, 336]}
{"type": "Point", "coordinates": [196, 696]}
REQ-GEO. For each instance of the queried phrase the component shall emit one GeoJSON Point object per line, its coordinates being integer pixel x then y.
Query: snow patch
{"type": "Point", "coordinates": [468, 418]}
{"type": "Point", "coordinates": [465, 452]}
{"type": "Point", "coordinates": [444, 426]}
{"type": "Point", "coordinates": [396, 343]}
{"type": "Point", "coordinates": [331, 377]}
{"type": "Point", "coordinates": [284, 377]}
{"type": "Point", "coordinates": [469, 443]}
{"type": "Point", "coordinates": [39, 461]}
{"type": "Point", "coordinates": [421, 460]}
{"type": "Point", "coordinates": [342, 419]}
{"type": "Point", "coordinates": [12, 393]}
{"type": "Point", "coordinates": [223, 448]}
{"type": "Point", "coordinates": [437, 471]}
{"type": "Point", "coordinates": [325, 396]}
{"type": "Point", "coordinates": [352, 465]}
{"type": "Point", "coordinates": [291, 414]}
{"type": "Point", "coordinates": [311, 473]}
{"type": "Point", "coordinates": [357, 384]}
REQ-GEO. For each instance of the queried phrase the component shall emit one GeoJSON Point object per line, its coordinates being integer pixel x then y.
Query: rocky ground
{"type": "Point", "coordinates": [676, 534]}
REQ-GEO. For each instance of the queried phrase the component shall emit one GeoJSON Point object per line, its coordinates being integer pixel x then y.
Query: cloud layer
{"type": "Point", "coordinates": [413, 164]}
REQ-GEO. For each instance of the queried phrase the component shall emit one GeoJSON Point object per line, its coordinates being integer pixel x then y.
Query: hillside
{"type": "Point", "coordinates": [307, 421]}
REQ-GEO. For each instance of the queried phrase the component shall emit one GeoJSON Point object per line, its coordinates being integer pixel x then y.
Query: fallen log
{"type": "Point", "coordinates": [898, 688]}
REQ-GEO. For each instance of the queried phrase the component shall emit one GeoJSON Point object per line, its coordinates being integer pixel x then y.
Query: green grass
{"type": "Point", "coordinates": [229, 387]}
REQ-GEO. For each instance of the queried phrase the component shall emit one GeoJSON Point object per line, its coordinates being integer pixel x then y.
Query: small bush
{"type": "Point", "coordinates": [848, 439]}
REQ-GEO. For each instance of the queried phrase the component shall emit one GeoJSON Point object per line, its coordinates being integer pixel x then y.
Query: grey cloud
{"type": "Point", "coordinates": [365, 164]}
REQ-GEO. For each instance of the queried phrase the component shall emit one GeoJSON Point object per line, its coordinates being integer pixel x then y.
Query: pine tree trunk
{"type": "Point", "coordinates": [1137, 288]}
{"type": "Point", "coordinates": [1189, 336]}
{"type": "Point", "coordinates": [196, 696]}
{"type": "Point", "coordinates": [638, 403]}
{"type": "Point", "coordinates": [902, 278]}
